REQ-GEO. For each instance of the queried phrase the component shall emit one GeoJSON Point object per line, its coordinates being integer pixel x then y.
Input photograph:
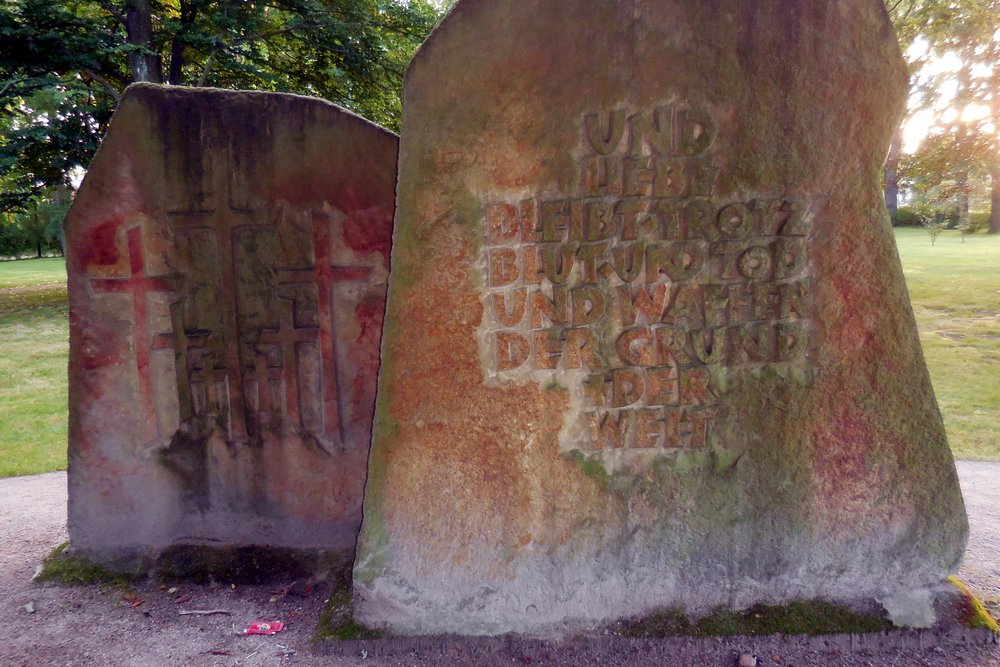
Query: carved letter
{"type": "Point", "coordinates": [752, 343]}
{"type": "Point", "coordinates": [606, 430]}
{"type": "Point", "coordinates": [755, 263]}
{"type": "Point", "coordinates": [695, 386]}
{"type": "Point", "coordinates": [556, 310]}
{"type": "Point", "coordinates": [641, 301]}
{"type": "Point", "coordinates": [557, 262]}
{"type": "Point", "coordinates": [709, 345]}
{"type": "Point", "coordinates": [512, 350]}
{"type": "Point", "coordinates": [508, 307]}
{"type": "Point", "coordinates": [704, 175]}
{"type": "Point", "coordinates": [671, 177]}
{"type": "Point", "coordinates": [698, 423]}
{"type": "Point", "coordinates": [648, 428]}
{"type": "Point", "coordinates": [792, 340]}
{"type": "Point", "coordinates": [605, 136]}
{"type": "Point", "coordinates": [789, 257]}
{"type": "Point", "coordinates": [559, 216]}
{"type": "Point", "coordinates": [627, 214]}
{"type": "Point", "coordinates": [548, 348]}
{"type": "Point", "coordinates": [635, 347]}
{"type": "Point", "coordinates": [529, 221]}
{"type": "Point", "coordinates": [766, 301]}
{"type": "Point", "coordinates": [740, 303]}
{"type": "Point", "coordinates": [602, 175]}
{"type": "Point", "coordinates": [672, 345]}
{"type": "Point", "coordinates": [589, 305]}
{"type": "Point", "coordinates": [685, 306]}
{"type": "Point", "coordinates": [639, 176]}
{"type": "Point", "coordinates": [796, 298]}
{"type": "Point", "coordinates": [626, 387]}
{"type": "Point", "coordinates": [655, 130]}
{"type": "Point", "coordinates": [697, 130]}
{"type": "Point", "coordinates": [661, 386]}
{"type": "Point", "coordinates": [716, 304]}
{"type": "Point", "coordinates": [627, 260]}
{"type": "Point", "coordinates": [796, 222]}
{"type": "Point", "coordinates": [503, 267]}
{"type": "Point", "coordinates": [501, 220]}
{"type": "Point", "coordinates": [678, 260]}
{"type": "Point", "coordinates": [595, 389]}
{"type": "Point", "coordinates": [582, 347]}
{"type": "Point", "coordinates": [587, 256]}
{"type": "Point", "coordinates": [532, 274]}
{"type": "Point", "coordinates": [735, 221]}
{"type": "Point", "coordinates": [598, 221]}
{"type": "Point", "coordinates": [697, 220]}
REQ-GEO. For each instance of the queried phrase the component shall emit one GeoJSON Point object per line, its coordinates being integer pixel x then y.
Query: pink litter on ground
{"type": "Point", "coordinates": [264, 628]}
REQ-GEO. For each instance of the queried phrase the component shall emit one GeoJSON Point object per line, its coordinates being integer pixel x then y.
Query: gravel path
{"type": "Point", "coordinates": [981, 569]}
{"type": "Point", "coordinates": [140, 627]}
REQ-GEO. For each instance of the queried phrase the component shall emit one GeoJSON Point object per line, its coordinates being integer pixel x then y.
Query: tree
{"type": "Point", "coordinates": [907, 18]}
{"type": "Point", "coordinates": [64, 66]}
{"type": "Point", "coordinates": [963, 100]}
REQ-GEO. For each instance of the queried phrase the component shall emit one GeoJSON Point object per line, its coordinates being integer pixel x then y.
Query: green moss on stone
{"type": "Point", "coordinates": [796, 618]}
{"type": "Point", "coordinates": [592, 468]}
{"type": "Point", "coordinates": [374, 539]}
{"type": "Point", "coordinates": [70, 569]}
{"type": "Point", "coordinates": [973, 613]}
{"type": "Point", "coordinates": [337, 622]}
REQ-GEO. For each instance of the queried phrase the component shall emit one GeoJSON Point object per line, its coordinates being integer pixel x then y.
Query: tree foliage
{"type": "Point", "coordinates": [956, 86]}
{"type": "Point", "coordinates": [64, 66]}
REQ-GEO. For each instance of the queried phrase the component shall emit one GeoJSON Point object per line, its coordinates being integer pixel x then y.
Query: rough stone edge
{"type": "Point", "coordinates": [517, 646]}
{"type": "Point", "coordinates": [165, 89]}
{"type": "Point", "coordinates": [133, 92]}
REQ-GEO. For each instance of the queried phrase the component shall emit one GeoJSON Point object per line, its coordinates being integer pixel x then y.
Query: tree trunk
{"type": "Point", "coordinates": [188, 13]}
{"type": "Point", "coordinates": [890, 181]}
{"type": "Point", "coordinates": [143, 60]}
{"type": "Point", "coordinates": [994, 227]}
{"type": "Point", "coordinates": [962, 196]}
{"type": "Point", "coordinates": [59, 196]}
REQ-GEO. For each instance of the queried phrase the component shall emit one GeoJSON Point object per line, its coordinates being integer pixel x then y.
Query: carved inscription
{"type": "Point", "coordinates": [251, 326]}
{"type": "Point", "coordinates": [645, 286]}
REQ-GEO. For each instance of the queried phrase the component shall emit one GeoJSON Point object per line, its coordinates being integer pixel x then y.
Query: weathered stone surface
{"type": "Point", "coordinates": [228, 257]}
{"type": "Point", "coordinates": [649, 342]}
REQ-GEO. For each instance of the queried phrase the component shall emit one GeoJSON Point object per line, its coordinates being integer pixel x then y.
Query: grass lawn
{"type": "Point", "coordinates": [955, 290]}
{"type": "Point", "coordinates": [34, 329]}
{"type": "Point", "coordinates": [33, 272]}
{"type": "Point", "coordinates": [954, 286]}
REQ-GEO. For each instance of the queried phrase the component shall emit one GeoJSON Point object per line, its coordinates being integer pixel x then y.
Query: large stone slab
{"type": "Point", "coordinates": [649, 342]}
{"type": "Point", "coordinates": [228, 255]}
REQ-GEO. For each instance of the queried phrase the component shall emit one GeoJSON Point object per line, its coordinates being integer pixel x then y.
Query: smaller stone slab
{"type": "Point", "coordinates": [227, 257]}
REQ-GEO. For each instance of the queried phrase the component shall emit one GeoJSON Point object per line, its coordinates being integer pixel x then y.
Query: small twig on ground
{"type": "Point", "coordinates": [201, 612]}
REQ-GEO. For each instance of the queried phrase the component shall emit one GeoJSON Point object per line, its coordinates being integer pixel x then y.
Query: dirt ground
{"type": "Point", "coordinates": [141, 626]}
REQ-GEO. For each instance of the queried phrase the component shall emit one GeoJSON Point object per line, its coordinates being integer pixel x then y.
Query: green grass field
{"type": "Point", "coordinates": [955, 291]}
{"type": "Point", "coordinates": [34, 330]}
{"type": "Point", "coordinates": [33, 272]}
{"type": "Point", "coordinates": [954, 286]}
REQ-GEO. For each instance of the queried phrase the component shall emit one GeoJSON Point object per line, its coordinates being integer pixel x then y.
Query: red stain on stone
{"type": "Point", "coordinates": [847, 482]}
{"type": "Point", "coordinates": [369, 315]}
{"type": "Point", "coordinates": [369, 230]}
{"type": "Point", "coordinates": [99, 246]}
{"type": "Point", "coordinates": [99, 346]}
